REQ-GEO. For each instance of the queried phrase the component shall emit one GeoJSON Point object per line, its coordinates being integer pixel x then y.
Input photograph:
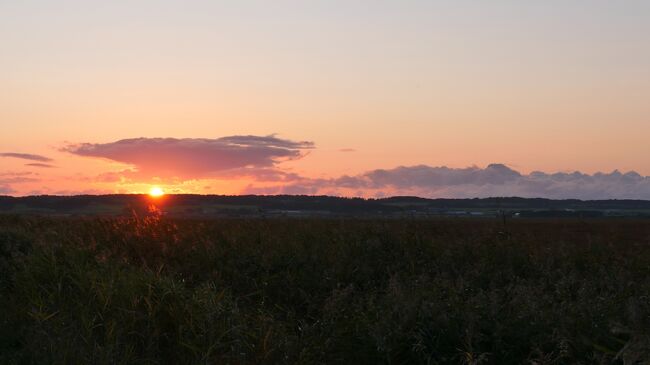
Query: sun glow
{"type": "Point", "coordinates": [156, 191]}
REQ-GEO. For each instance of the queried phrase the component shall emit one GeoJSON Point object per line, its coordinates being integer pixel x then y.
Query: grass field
{"type": "Point", "coordinates": [150, 290]}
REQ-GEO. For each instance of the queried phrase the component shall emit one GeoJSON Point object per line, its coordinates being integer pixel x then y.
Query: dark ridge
{"type": "Point", "coordinates": [192, 204]}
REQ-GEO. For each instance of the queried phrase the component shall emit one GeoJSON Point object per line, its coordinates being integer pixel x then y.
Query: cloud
{"type": "Point", "coordinates": [175, 161]}
{"type": "Point", "coordinates": [347, 150]}
{"type": "Point", "coordinates": [17, 179]}
{"type": "Point", "coordinates": [38, 164]}
{"type": "Point", "coordinates": [20, 173]}
{"type": "Point", "coordinates": [26, 156]}
{"type": "Point", "coordinates": [471, 182]}
{"type": "Point", "coordinates": [191, 158]}
{"type": "Point", "coordinates": [418, 176]}
{"type": "Point", "coordinates": [7, 178]}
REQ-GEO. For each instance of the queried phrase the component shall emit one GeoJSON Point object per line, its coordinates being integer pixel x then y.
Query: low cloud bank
{"type": "Point", "coordinates": [9, 178]}
{"type": "Point", "coordinates": [494, 180]}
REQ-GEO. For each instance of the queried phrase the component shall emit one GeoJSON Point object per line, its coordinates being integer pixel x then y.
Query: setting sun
{"type": "Point", "coordinates": [155, 192]}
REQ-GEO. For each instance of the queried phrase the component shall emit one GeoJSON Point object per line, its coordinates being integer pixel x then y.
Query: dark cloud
{"type": "Point", "coordinates": [26, 156]}
{"type": "Point", "coordinates": [494, 180]}
{"type": "Point", "coordinates": [6, 189]}
{"type": "Point", "coordinates": [38, 164]}
{"type": "Point", "coordinates": [190, 158]}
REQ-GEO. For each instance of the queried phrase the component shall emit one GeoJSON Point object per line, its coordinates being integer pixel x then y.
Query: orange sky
{"type": "Point", "coordinates": [560, 86]}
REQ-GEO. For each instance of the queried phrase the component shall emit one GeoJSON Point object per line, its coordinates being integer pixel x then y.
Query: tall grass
{"type": "Point", "coordinates": [149, 290]}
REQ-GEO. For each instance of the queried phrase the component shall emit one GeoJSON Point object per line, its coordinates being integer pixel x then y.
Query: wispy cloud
{"type": "Point", "coordinates": [26, 156]}
{"type": "Point", "coordinates": [191, 158]}
{"type": "Point", "coordinates": [17, 173]}
{"type": "Point", "coordinates": [17, 179]}
{"type": "Point", "coordinates": [38, 164]}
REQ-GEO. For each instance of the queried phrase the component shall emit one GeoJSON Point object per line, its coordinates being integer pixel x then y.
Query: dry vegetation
{"type": "Point", "coordinates": [148, 290]}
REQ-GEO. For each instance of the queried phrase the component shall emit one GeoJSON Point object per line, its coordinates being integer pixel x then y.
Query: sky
{"type": "Point", "coordinates": [450, 98]}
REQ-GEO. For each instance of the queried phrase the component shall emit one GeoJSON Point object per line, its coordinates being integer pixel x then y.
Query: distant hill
{"type": "Point", "coordinates": [303, 205]}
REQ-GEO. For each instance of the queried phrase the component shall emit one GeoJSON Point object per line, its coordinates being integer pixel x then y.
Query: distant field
{"type": "Point", "coordinates": [149, 290]}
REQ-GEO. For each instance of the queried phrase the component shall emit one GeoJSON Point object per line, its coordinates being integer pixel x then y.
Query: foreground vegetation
{"type": "Point", "coordinates": [148, 290]}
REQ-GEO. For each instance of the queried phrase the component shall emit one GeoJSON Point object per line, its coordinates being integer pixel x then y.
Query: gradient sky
{"type": "Point", "coordinates": [553, 86]}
